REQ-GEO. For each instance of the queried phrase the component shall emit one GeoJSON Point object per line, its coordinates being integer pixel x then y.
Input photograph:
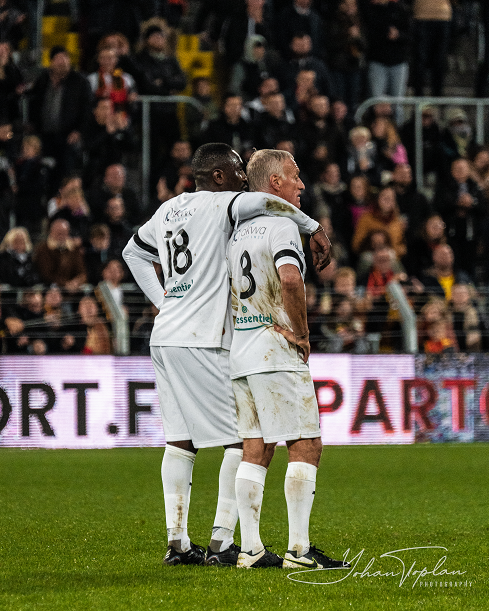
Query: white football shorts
{"type": "Point", "coordinates": [195, 395]}
{"type": "Point", "coordinates": [277, 405]}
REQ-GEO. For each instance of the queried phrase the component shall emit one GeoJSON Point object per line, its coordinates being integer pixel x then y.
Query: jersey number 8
{"type": "Point", "coordinates": [177, 249]}
{"type": "Point", "coordinates": [245, 262]}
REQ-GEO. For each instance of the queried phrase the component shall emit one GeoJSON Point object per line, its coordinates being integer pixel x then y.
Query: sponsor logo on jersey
{"type": "Point", "coordinates": [172, 215]}
{"type": "Point", "coordinates": [296, 246]}
{"type": "Point", "coordinates": [252, 231]}
{"type": "Point", "coordinates": [179, 290]}
{"type": "Point", "coordinates": [264, 320]}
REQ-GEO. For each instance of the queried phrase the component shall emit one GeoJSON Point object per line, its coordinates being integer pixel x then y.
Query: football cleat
{"type": "Point", "coordinates": [260, 560]}
{"type": "Point", "coordinates": [195, 555]}
{"type": "Point", "coordinates": [228, 557]}
{"type": "Point", "coordinates": [314, 559]}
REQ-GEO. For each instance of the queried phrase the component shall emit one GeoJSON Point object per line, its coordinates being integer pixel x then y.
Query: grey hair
{"type": "Point", "coordinates": [262, 165]}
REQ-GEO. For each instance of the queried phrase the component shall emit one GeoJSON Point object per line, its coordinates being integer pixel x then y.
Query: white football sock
{"type": "Point", "coordinates": [250, 482]}
{"type": "Point", "coordinates": [176, 474]}
{"type": "Point", "coordinates": [300, 485]}
{"type": "Point", "coordinates": [227, 509]}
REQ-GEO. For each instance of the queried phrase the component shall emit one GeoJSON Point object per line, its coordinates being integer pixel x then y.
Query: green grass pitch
{"type": "Point", "coordinates": [84, 530]}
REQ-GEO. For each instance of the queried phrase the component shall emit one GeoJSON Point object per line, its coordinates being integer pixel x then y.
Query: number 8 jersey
{"type": "Point", "coordinates": [256, 250]}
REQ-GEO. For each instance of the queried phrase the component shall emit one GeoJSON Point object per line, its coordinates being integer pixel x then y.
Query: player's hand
{"type": "Point", "coordinates": [321, 250]}
{"type": "Point", "coordinates": [302, 344]}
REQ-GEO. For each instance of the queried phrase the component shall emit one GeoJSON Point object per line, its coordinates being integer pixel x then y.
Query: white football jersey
{"type": "Point", "coordinates": [256, 250]}
{"type": "Point", "coordinates": [188, 235]}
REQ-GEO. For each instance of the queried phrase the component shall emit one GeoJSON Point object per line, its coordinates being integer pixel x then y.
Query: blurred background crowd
{"type": "Point", "coordinates": [285, 74]}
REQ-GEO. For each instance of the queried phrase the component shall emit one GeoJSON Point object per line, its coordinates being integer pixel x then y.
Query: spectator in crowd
{"type": "Point", "coordinates": [114, 185]}
{"type": "Point", "coordinates": [302, 91]}
{"type": "Point", "coordinates": [113, 274]}
{"type": "Point", "coordinates": [479, 167]}
{"type": "Point", "coordinates": [256, 65]}
{"type": "Point", "coordinates": [115, 219]}
{"type": "Point", "coordinates": [320, 139]}
{"type": "Point", "coordinates": [388, 45]}
{"type": "Point", "coordinates": [11, 84]}
{"type": "Point", "coordinates": [390, 149]}
{"type": "Point", "coordinates": [31, 180]}
{"type": "Point", "coordinates": [249, 20]}
{"type": "Point", "coordinates": [344, 331]}
{"type": "Point", "coordinates": [431, 140]}
{"type": "Point", "coordinates": [58, 260]}
{"type": "Point", "coordinates": [423, 243]}
{"type": "Point", "coordinates": [380, 316]}
{"type": "Point", "coordinates": [16, 267]}
{"type": "Point", "coordinates": [466, 320]}
{"type": "Point", "coordinates": [300, 18]}
{"type": "Point", "coordinates": [432, 21]}
{"type": "Point", "coordinates": [338, 242]}
{"type": "Point", "coordinates": [346, 45]}
{"type": "Point", "coordinates": [412, 204]}
{"type": "Point", "coordinates": [72, 206]}
{"type": "Point", "coordinates": [384, 214]}
{"type": "Point", "coordinates": [198, 120]}
{"type": "Point", "coordinates": [357, 198]}
{"type": "Point", "coordinates": [165, 77]}
{"type": "Point", "coordinates": [374, 241]}
{"type": "Point", "coordinates": [463, 207]}
{"type": "Point", "coordinates": [440, 278]}
{"type": "Point", "coordinates": [231, 128]}
{"type": "Point", "coordinates": [69, 183]}
{"type": "Point", "coordinates": [435, 332]}
{"type": "Point", "coordinates": [275, 124]}
{"type": "Point", "coordinates": [111, 83]}
{"type": "Point", "coordinates": [254, 108]}
{"type": "Point", "coordinates": [117, 42]}
{"type": "Point", "coordinates": [98, 252]}
{"type": "Point", "coordinates": [109, 137]}
{"type": "Point", "coordinates": [341, 120]}
{"type": "Point", "coordinates": [60, 112]}
{"type": "Point", "coordinates": [303, 58]}
{"type": "Point", "coordinates": [456, 138]}
{"type": "Point", "coordinates": [11, 20]}
{"type": "Point", "coordinates": [58, 320]}
{"type": "Point", "coordinates": [329, 194]}
{"type": "Point", "coordinates": [362, 157]}
{"type": "Point", "coordinates": [30, 312]}
{"type": "Point", "coordinates": [180, 155]}
{"type": "Point", "coordinates": [97, 338]}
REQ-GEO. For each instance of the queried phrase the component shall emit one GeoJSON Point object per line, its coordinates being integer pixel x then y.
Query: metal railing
{"type": "Point", "coordinates": [408, 317]}
{"type": "Point", "coordinates": [418, 103]}
{"type": "Point", "coordinates": [118, 318]}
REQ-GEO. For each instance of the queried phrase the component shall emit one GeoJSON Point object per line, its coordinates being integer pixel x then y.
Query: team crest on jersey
{"type": "Point", "coordinates": [172, 215]}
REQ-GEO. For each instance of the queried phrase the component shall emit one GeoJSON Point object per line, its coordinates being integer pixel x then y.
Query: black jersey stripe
{"type": "Point", "coordinates": [230, 209]}
{"type": "Point", "coordinates": [151, 249]}
{"type": "Point", "coordinates": [289, 253]}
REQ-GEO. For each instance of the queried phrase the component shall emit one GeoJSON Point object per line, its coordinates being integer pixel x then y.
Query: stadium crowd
{"type": "Point", "coordinates": [289, 76]}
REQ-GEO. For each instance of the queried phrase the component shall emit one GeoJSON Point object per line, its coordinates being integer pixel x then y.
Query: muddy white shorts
{"type": "Point", "coordinates": [195, 395]}
{"type": "Point", "coordinates": [278, 406]}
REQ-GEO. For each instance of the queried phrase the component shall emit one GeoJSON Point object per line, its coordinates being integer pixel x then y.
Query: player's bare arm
{"type": "Point", "coordinates": [295, 305]}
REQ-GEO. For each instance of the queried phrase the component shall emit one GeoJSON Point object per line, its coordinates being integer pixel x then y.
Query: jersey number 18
{"type": "Point", "coordinates": [177, 249]}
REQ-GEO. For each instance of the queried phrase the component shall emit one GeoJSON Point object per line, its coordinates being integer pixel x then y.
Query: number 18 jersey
{"type": "Point", "coordinates": [256, 250]}
{"type": "Point", "coordinates": [189, 233]}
